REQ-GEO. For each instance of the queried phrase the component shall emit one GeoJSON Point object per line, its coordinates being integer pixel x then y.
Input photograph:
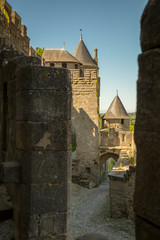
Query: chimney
{"type": "Point", "coordinates": [95, 55]}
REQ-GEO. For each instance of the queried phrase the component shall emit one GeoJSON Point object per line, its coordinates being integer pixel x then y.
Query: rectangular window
{"type": "Point", "coordinates": [51, 64]}
{"type": "Point", "coordinates": [81, 73]}
{"type": "Point", "coordinates": [123, 137]}
{"type": "Point", "coordinates": [64, 65]}
{"type": "Point", "coordinates": [76, 66]}
{"type": "Point", "coordinates": [88, 170]}
{"type": "Point", "coordinates": [122, 121]}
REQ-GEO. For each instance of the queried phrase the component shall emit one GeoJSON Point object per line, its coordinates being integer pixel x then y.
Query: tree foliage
{"type": "Point", "coordinates": [39, 51]}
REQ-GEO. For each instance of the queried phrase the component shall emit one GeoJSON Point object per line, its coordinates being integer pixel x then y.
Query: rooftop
{"type": "Point", "coordinates": [116, 110]}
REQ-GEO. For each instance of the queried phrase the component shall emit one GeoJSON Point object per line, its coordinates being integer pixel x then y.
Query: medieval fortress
{"type": "Point", "coordinates": [85, 108]}
{"type": "Point", "coordinates": [47, 107]}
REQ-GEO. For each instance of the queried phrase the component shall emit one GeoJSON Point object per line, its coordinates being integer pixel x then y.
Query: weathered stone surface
{"type": "Point", "coordinates": [56, 164]}
{"type": "Point", "coordinates": [147, 129]}
{"type": "Point", "coordinates": [146, 231]}
{"type": "Point", "coordinates": [13, 32]}
{"type": "Point", "coordinates": [35, 130]}
{"type": "Point", "coordinates": [39, 136]}
{"type": "Point", "coordinates": [148, 168]}
{"type": "Point", "coordinates": [92, 236]}
{"type": "Point", "coordinates": [46, 198]}
{"type": "Point", "coordinates": [149, 91]}
{"type": "Point", "coordinates": [52, 224]}
{"type": "Point", "coordinates": [57, 79]}
{"type": "Point", "coordinates": [10, 172]}
{"type": "Point", "coordinates": [121, 189]}
{"type": "Point", "coordinates": [85, 123]}
{"type": "Point", "coordinates": [150, 24]}
{"type": "Point", "coordinates": [43, 105]}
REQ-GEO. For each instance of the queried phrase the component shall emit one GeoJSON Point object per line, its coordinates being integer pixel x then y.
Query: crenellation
{"type": "Point", "coordinates": [16, 19]}
{"type": "Point", "coordinates": [12, 30]}
{"type": "Point", "coordinates": [5, 6]}
{"type": "Point", "coordinates": [23, 30]}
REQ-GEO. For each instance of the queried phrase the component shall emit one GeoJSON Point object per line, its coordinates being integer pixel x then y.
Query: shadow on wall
{"type": "Point", "coordinates": [87, 140]}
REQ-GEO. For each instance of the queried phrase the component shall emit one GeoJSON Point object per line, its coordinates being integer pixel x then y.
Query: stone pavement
{"type": "Point", "coordinates": [90, 214]}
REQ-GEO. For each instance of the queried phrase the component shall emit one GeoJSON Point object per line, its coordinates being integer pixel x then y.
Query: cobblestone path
{"type": "Point", "coordinates": [90, 213]}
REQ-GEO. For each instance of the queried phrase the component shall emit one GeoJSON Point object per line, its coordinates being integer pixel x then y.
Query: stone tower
{"type": "Point", "coordinates": [85, 114]}
{"type": "Point", "coordinates": [85, 108]}
{"type": "Point", "coordinates": [116, 116]}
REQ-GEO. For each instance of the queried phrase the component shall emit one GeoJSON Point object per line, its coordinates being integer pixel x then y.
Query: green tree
{"type": "Point", "coordinates": [131, 128]}
{"type": "Point", "coordinates": [39, 51]}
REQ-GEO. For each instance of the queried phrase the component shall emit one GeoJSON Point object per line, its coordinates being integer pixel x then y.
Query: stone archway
{"type": "Point", "coordinates": [105, 156]}
{"type": "Point", "coordinates": [104, 164]}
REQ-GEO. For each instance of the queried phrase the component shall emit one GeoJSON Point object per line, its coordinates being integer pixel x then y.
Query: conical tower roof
{"type": "Point", "coordinates": [116, 110]}
{"type": "Point", "coordinates": [82, 54]}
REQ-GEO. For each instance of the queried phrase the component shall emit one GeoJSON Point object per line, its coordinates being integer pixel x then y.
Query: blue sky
{"type": "Point", "coordinates": [112, 26]}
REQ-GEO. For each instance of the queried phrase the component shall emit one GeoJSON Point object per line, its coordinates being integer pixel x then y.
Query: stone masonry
{"type": "Point", "coordinates": [147, 137]}
{"type": "Point", "coordinates": [85, 122]}
{"type": "Point", "coordinates": [11, 28]}
{"type": "Point", "coordinates": [121, 192]}
{"type": "Point", "coordinates": [35, 146]}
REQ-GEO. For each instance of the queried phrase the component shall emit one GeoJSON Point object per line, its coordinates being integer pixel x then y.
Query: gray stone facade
{"type": "Point", "coordinates": [121, 192]}
{"type": "Point", "coordinates": [35, 141]}
{"type": "Point", "coordinates": [147, 137]}
{"type": "Point", "coordinates": [85, 123]}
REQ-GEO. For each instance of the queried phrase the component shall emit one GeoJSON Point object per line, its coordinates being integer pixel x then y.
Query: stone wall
{"type": "Point", "coordinates": [33, 53]}
{"type": "Point", "coordinates": [117, 124]}
{"type": "Point", "coordinates": [147, 137]}
{"type": "Point", "coordinates": [111, 137]}
{"type": "Point", "coordinates": [85, 122]}
{"type": "Point", "coordinates": [35, 146]}
{"type": "Point", "coordinates": [12, 30]}
{"type": "Point", "coordinates": [59, 64]}
{"type": "Point", "coordinates": [121, 191]}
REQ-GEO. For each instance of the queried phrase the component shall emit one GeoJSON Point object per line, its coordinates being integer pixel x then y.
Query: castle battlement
{"type": "Point", "coordinates": [83, 76]}
{"type": "Point", "coordinates": [11, 28]}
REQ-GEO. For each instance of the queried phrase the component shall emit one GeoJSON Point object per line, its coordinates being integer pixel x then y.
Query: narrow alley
{"type": "Point", "coordinates": [90, 213]}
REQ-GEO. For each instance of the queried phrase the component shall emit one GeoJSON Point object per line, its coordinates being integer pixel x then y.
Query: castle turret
{"type": "Point", "coordinates": [116, 115]}
{"type": "Point", "coordinates": [82, 54]}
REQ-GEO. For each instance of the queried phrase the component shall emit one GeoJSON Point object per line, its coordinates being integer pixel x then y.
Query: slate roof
{"type": "Point", "coordinates": [116, 110]}
{"type": "Point", "coordinates": [82, 54]}
{"type": "Point", "coordinates": [58, 55]}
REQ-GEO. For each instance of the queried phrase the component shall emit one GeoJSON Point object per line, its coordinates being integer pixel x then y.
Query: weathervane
{"type": "Point", "coordinates": [81, 34]}
{"type": "Point", "coordinates": [117, 92]}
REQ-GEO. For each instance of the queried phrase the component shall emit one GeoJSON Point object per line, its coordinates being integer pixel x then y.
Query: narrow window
{"type": "Point", "coordinates": [123, 137]}
{"type": "Point", "coordinates": [88, 170]}
{"type": "Point", "coordinates": [122, 121]}
{"type": "Point", "coordinates": [51, 64]}
{"type": "Point", "coordinates": [64, 65]}
{"type": "Point", "coordinates": [81, 73]}
{"type": "Point", "coordinates": [76, 66]}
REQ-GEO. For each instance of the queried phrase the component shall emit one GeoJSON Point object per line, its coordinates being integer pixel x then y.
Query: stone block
{"type": "Point", "coordinates": [44, 167]}
{"type": "Point", "coordinates": [148, 92]}
{"type": "Point", "coordinates": [146, 230]}
{"type": "Point", "coordinates": [150, 24]}
{"type": "Point", "coordinates": [51, 224]}
{"type": "Point", "coordinates": [43, 105]}
{"type": "Point", "coordinates": [92, 236]}
{"type": "Point", "coordinates": [57, 79]}
{"type": "Point", "coordinates": [54, 224]}
{"type": "Point", "coordinates": [54, 135]}
{"type": "Point", "coordinates": [10, 172]}
{"type": "Point", "coordinates": [46, 198]}
{"type": "Point", "coordinates": [147, 196]}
